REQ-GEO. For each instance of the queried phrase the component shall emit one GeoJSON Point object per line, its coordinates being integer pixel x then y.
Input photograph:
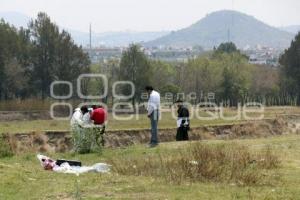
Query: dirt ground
{"type": "Point", "coordinates": [61, 141]}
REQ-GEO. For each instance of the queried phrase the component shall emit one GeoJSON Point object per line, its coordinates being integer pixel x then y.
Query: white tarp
{"type": "Point", "coordinates": [49, 164]}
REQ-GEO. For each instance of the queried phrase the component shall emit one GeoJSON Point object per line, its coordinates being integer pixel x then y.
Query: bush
{"type": "Point", "coordinates": [202, 163]}
{"type": "Point", "coordinates": [5, 149]}
{"type": "Point", "coordinates": [87, 140]}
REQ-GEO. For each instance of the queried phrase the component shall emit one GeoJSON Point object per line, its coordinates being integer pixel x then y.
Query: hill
{"type": "Point", "coordinates": [292, 29]}
{"type": "Point", "coordinates": [225, 25]}
{"type": "Point", "coordinates": [15, 18]}
{"type": "Point", "coordinates": [120, 38]}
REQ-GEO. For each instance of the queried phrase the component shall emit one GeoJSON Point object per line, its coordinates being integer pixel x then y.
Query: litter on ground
{"type": "Point", "coordinates": [67, 167]}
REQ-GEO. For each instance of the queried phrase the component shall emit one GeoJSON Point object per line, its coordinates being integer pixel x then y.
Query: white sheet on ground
{"type": "Point", "coordinates": [66, 168]}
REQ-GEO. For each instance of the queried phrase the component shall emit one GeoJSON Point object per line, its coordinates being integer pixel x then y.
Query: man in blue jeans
{"type": "Point", "coordinates": [153, 113]}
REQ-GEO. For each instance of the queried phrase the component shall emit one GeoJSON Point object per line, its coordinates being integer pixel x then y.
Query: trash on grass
{"type": "Point", "coordinates": [67, 167]}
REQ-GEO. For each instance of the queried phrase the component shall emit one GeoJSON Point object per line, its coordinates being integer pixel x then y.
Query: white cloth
{"type": "Point", "coordinates": [50, 164]}
{"type": "Point", "coordinates": [179, 121]}
{"type": "Point", "coordinates": [67, 169]}
{"type": "Point", "coordinates": [77, 118]}
{"type": "Point", "coordinates": [153, 102]}
{"type": "Point", "coordinates": [86, 118]}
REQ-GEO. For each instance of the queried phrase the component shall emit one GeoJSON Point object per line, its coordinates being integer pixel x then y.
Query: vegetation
{"type": "Point", "coordinates": [5, 149]}
{"type": "Point", "coordinates": [135, 67]}
{"type": "Point", "coordinates": [228, 47]}
{"type": "Point", "coordinates": [290, 61]}
{"type": "Point", "coordinates": [203, 163]}
{"type": "Point", "coordinates": [224, 72]}
{"type": "Point", "coordinates": [30, 59]}
{"type": "Point", "coordinates": [24, 174]}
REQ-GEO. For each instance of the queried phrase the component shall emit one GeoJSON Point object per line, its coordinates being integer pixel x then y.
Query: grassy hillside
{"type": "Point", "coordinates": [226, 25]}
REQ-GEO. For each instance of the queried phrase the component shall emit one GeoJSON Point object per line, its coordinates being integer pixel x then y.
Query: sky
{"type": "Point", "coordinates": [150, 15]}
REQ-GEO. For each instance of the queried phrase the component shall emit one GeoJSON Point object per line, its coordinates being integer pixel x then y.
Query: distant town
{"type": "Point", "coordinates": [259, 54]}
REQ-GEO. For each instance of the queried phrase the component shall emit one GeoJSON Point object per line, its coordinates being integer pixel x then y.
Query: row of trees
{"type": "Point", "coordinates": [31, 58]}
{"type": "Point", "coordinates": [224, 72]}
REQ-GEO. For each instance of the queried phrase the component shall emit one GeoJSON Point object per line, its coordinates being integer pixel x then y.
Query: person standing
{"type": "Point", "coordinates": [153, 113]}
{"type": "Point", "coordinates": [183, 122]}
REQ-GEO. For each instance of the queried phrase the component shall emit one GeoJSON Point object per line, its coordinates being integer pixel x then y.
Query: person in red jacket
{"type": "Point", "coordinates": [99, 115]}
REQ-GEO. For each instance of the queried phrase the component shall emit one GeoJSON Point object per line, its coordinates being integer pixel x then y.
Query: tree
{"type": "Point", "coordinates": [228, 47]}
{"type": "Point", "coordinates": [236, 78]}
{"type": "Point", "coordinates": [290, 62]}
{"type": "Point", "coordinates": [112, 72]}
{"type": "Point", "coordinates": [9, 51]}
{"type": "Point", "coordinates": [135, 67]}
{"type": "Point", "coordinates": [45, 36]}
{"type": "Point", "coordinates": [162, 74]}
{"type": "Point", "coordinates": [69, 60]}
{"type": "Point", "coordinates": [54, 55]}
{"type": "Point", "coordinates": [202, 76]}
{"type": "Point", "coordinates": [16, 81]}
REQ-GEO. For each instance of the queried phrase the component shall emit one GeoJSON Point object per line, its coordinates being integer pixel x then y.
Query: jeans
{"type": "Point", "coordinates": [154, 121]}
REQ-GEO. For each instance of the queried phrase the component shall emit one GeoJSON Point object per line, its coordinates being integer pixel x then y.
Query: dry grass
{"type": "Point", "coordinates": [25, 105]}
{"type": "Point", "coordinates": [230, 163]}
{"type": "Point", "coordinates": [5, 149]}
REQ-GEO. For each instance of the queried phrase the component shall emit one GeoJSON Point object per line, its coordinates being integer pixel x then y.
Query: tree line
{"type": "Point", "coordinates": [225, 72]}
{"type": "Point", "coordinates": [32, 57]}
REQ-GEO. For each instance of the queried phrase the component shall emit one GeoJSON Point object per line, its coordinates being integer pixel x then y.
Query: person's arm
{"type": "Point", "coordinates": [150, 107]}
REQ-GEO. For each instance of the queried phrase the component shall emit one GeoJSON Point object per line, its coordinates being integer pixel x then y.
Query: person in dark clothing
{"type": "Point", "coordinates": [183, 122]}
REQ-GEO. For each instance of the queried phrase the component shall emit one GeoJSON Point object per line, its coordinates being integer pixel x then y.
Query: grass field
{"type": "Point", "coordinates": [137, 122]}
{"type": "Point", "coordinates": [23, 178]}
{"type": "Point", "coordinates": [142, 173]}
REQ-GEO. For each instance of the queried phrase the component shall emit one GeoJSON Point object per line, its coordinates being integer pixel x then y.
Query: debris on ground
{"type": "Point", "coordinates": [71, 167]}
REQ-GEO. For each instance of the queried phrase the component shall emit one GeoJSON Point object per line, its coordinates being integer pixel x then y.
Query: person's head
{"type": "Point", "coordinates": [179, 103]}
{"type": "Point", "coordinates": [149, 89]}
{"type": "Point", "coordinates": [84, 109]}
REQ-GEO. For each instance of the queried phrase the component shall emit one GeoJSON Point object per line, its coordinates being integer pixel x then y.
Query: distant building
{"type": "Point", "coordinates": [101, 54]}
{"type": "Point", "coordinates": [262, 55]}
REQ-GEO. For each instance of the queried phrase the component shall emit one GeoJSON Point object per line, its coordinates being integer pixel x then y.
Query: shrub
{"type": "Point", "coordinates": [202, 163]}
{"type": "Point", "coordinates": [87, 140]}
{"type": "Point", "coordinates": [5, 149]}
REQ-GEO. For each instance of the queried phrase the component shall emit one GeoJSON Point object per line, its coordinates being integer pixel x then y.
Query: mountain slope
{"type": "Point", "coordinates": [291, 29]}
{"type": "Point", "coordinates": [226, 25]}
{"type": "Point", "coordinates": [15, 18]}
{"type": "Point", "coordinates": [121, 38]}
